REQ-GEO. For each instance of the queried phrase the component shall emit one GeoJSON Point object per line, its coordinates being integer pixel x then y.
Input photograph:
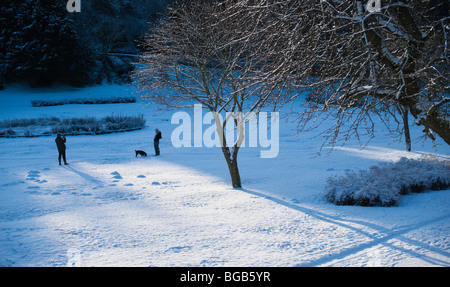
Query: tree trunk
{"type": "Point", "coordinates": [435, 122]}
{"type": "Point", "coordinates": [230, 157]}
{"type": "Point", "coordinates": [404, 112]}
{"type": "Point", "coordinates": [413, 100]}
{"type": "Point", "coordinates": [232, 167]}
{"type": "Point", "coordinates": [430, 118]}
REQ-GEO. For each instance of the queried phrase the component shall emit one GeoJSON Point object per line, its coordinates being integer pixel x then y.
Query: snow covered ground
{"type": "Point", "coordinates": [109, 208]}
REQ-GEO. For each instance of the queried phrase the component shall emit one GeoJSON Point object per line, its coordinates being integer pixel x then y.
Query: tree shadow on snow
{"type": "Point", "coordinates": [381, 236]}
{"type": "Point", "coordinates": [84, 175]}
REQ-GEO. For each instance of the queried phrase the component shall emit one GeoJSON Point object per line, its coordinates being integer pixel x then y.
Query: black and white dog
{"type": "Point", "coordinates": [140, 152]}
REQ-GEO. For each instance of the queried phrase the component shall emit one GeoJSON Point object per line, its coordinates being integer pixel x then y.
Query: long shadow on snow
{"type": "Point", "coordinates": [390, 233]}
{"type": "Point", "coordinates": [84, 175]}
{"type": "Point", "coordinates": [383, 238]}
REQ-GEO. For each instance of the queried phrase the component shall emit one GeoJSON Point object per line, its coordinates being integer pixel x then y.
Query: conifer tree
{"type": "Point", "coordinates": [40, 44]}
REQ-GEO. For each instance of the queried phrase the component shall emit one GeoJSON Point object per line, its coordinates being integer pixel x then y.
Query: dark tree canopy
{"type": "Point", "coordinates": [42, 43]}
{"type": "Point", "coordinates": [356, 63]}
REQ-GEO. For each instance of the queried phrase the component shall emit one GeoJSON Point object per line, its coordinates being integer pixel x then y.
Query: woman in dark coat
{"type": "Point", "coordinates": [61, 144]}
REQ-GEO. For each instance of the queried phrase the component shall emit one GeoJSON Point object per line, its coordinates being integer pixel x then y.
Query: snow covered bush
{"type": "Point", "coordinates": [70, 126]}
{"type": "Point", "coordinates": [80, 101]}
{"type": "Point", "coordinates": [42, 121]}
{"type": "Point", "coordinates": [119, 122]}
{"type": "Point", "coordinates": [109, 124]}
{"type": "Point", "coordinates": [7, 133]}
{"type": "Point", "coordinates": [384, 184]}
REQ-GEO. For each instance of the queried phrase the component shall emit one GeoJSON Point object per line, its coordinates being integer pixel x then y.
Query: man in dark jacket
{"type": "Point", "coordinates": [61, 145]}
{"type": "Point", "coordinates": [156, 141]}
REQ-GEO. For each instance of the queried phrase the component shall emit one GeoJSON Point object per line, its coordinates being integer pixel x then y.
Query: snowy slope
{"type": "Point", "coordinates": [108, 208]}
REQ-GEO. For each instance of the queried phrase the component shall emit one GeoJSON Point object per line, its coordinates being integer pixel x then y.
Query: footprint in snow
{"type": "Point", "coordinates": [178, 249]}
{"type": "Point", "coordinates": [33, 189]}
{"type": "Point", "coordinates": [33, 175]}
{"type": "Point", "coordinates": [116, 175]}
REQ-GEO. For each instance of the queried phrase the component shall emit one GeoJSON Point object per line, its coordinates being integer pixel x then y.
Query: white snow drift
{"type": "Point", "coordinates": [109, 208]}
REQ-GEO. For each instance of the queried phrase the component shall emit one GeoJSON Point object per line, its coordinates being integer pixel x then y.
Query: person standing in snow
{"type": "Point", "coordinates": [61, 145]}
{"type": "Point", "coordinates": [156, 141]}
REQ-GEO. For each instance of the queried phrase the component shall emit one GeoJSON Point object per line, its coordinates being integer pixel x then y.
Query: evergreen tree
{"type": "Point", "coordinates": [39, 44]}
{"type": "Point", "coordinates": [42, 43]}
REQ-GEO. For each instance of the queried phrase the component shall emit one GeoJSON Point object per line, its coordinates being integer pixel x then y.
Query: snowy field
{"type": "Point", "coordinates": [109, 208]}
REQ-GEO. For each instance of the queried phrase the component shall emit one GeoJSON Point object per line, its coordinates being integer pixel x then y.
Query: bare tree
{"type": "Point", "coordinates": [205, 55]}
{"type": "Point", "coordinates": [394, 56]}
{"type": "Point", "coordinates": [361, 59]}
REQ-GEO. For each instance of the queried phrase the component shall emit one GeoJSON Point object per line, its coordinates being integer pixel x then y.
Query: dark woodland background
{"type": "Point", "coordinates": [42, 44]}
